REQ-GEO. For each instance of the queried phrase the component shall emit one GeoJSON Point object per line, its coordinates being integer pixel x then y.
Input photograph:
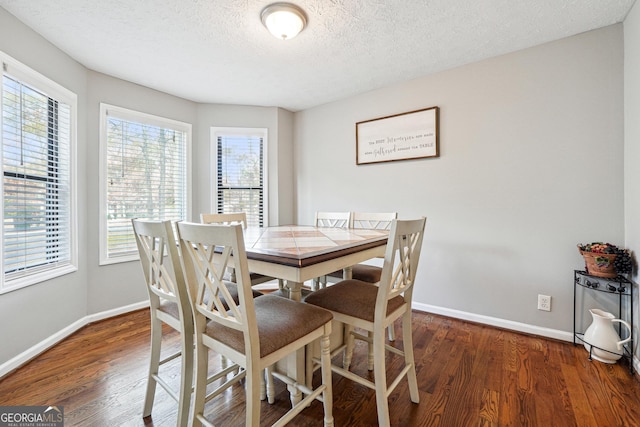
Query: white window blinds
{"type": "Point", "coordinates": [240, 177]}
{"type": "Point", "coordinates": [37, 188]}
{"type": "Point", "coordinates": [146, 175]}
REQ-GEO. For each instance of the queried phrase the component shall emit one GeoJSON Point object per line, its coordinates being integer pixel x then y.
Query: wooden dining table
{"type": "Point", "coordinates": [298, 253]}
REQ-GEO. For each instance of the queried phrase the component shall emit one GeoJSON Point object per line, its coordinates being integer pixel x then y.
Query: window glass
{"type": "Point", "coordinates": [239, 166]}
{"type": "Point", "coordinates": [146, 160]}
{"type": "Point", "coordinates": [38, 236]}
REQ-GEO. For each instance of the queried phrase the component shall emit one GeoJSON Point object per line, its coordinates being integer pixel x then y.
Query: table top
{"type": "Point", "coordinates": [301, 246]}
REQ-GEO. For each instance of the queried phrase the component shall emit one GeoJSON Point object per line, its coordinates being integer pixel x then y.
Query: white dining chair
{"type": "Point", "coordinates": [373, 308]}
{"type": "Point", "coordinates": [371, 221]}
{"type": "Point", "coordinates": [251, 332]}
{"type": "Point", "coordinates": [168, 304]}
{"type": "Point", "coordinates": [369, 273]}
{"type": "Point", "coordinates": [329, 220]}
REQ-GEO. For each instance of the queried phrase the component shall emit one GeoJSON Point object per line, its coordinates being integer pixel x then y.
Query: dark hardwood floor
{"type": "Point", "coordinates": [468, 375]}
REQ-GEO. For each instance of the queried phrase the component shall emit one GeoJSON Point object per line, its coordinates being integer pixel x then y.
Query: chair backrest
{"type": "Point", "coordinates": [157, 244]}
{"type": "Point", "coordinates": [333, 219]}
{"type": "Point", "coordinates": [400, 263]}
{"type": "Point", "coordinates": [225, 218]}
{"type": "Point", "coordinates": [206, 253]}
{"type": "Point", "coordinates": [372, 220]}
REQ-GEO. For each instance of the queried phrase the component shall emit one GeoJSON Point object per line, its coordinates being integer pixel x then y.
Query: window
{"type": "Point", "coordinates": [38, 152]}
{"type": "Point", "coordinates": [144, 174]}
{"type": "Point", "coordinates": [239, 173]}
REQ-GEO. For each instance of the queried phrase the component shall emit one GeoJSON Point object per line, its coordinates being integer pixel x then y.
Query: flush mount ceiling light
{"type": "Point", "coordinates": [284, 20]}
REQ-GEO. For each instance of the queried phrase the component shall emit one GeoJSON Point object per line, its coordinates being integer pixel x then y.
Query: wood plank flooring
{"type": "Point", "coordinates": [468, 375]}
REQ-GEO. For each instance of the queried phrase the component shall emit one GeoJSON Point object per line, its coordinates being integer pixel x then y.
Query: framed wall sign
{"type": "Point", "coordinates": [404, 136]}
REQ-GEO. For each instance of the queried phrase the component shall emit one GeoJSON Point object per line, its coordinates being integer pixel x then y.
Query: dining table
{"type": "Point", "coordinates": [299, 253]}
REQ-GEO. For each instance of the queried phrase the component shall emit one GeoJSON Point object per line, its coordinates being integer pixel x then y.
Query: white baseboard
{"type": "Point", "coordinates": [54, 339]}
{"type": "Point", "coordinates": [494, 321]}
{"type": "Point", "coordinates": [505, 324]}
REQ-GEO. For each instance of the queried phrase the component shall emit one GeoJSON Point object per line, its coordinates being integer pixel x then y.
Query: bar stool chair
{"type": "Point", "coordinates": [363, 305]}
{"type": "Point", "coordinates": [367, 272]}
{"type": "Point", "coordinates": [168, 303]}
{"type": "Point", "coordinates": [250, 332]}
{"type": "Point", "coordinates": [366, 221]}
{"type": "Point", "coordinates": [329, 220]}
{"type": "Point", "coordinates": [266, 391]}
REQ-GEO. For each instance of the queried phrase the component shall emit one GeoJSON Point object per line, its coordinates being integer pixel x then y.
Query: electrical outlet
{"type": "Point", "coordinates": [544, 302]}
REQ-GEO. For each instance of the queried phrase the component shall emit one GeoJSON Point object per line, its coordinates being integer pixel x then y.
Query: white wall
{"type": "Point", "coordinates": [531, 164]}
{"type": "Point", "coordinates": [632, 139]}
{"type": "Point", "coordinates": [31, 315]}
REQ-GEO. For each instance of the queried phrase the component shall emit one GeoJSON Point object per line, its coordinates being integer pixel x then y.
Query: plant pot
{"type": "Point", "coordinates": [600, 265]}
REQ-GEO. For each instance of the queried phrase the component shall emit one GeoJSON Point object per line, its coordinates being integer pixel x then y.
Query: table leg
{"type": "Point", "coordinates": [296, 370]}
{"type": "Point", "coordinates": [295, 364]}
{"type": "Point", "coordinates": [347, 273]}
{"type": "Point", "coordinates": [295, 292]}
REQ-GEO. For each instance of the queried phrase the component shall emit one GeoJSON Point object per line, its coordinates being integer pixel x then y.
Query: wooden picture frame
{"type": "Point", "coordinates": [405, 136]}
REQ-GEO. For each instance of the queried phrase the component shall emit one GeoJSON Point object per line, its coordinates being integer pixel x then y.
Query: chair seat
{"type": "Point", "coordinates": [274, 330]}
{"type": "Point", "coordinates": [353, 298]}
{"type": "Point", "coordinates": [364, 272]}
{"type": "Point", "coordinates": [169, 307]}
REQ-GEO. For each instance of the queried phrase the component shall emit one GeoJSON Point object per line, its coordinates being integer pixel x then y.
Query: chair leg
{"type": "Point", "coordinates": [154, 364]}
{"type": "Point", "coordinates": [380, 376]}
{"type": "Point", "coordinates": [349, 340]}
{"type": "Point", "coordinates": [370, 358]}
{"type": "Point", "coordinates": [392, 332]}
{"type": "Point", "coordinates": [271, 391]}
{"type": "Point", "coordinates": [327, 394]}
{"type": "Point", "coordinates": [263, 385]}
{"type": "Point", "coordinates": [407, 342]}
{"type": "Point", "coordinates": [202, 369]}
{"type": "Point", "coordinates": [316, 284]}
{"type": "Point", "coordinates": [186, 379]}
{"type": "Point", "coordinates": [252, 391]}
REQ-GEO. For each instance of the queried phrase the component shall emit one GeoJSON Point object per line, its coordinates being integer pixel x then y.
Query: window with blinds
{"type": "Point", "coordinates": [240, 176]}
{"type": "Point", "coordinates": [37, 143]}
{"type": "Point", "coordinates": [145, 162]}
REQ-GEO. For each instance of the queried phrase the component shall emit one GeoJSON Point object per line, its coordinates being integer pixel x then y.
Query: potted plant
{"type": "Point", "coordinates": [605, 259]}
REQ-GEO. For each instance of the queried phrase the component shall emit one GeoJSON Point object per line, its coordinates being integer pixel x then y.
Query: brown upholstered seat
{"type": "Point", "coordinates": [275, 331]}
{"type": "Point", "coordinates": [353, 298]}
{"type": "Point", "coordinates": [364, 272]}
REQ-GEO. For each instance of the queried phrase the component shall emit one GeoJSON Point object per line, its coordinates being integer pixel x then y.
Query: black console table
{"type": "Point", "coordinates": [619, 287]}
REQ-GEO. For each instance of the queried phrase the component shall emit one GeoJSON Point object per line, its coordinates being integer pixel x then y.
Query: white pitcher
{"type": "Point", "coordinates": [601, 334]}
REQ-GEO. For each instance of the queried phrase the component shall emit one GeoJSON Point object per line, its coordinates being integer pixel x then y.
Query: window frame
{"type": "Point", "coordinates": [218, 131]}
{"type": "Point", "coordinates": [148, 119]}
{"type": "Point", "coordinates": [37, 81]}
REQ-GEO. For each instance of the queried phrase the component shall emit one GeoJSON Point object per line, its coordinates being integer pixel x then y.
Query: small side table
{"type": "Point", "coordinates": [618, 286]}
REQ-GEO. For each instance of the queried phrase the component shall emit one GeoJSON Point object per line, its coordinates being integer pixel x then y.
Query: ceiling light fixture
{"type": "Point", "coordinates": [283, 20]}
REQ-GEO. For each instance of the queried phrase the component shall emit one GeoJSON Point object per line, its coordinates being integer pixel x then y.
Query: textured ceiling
{"type": "Point", "coordinates": [217, 51]}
